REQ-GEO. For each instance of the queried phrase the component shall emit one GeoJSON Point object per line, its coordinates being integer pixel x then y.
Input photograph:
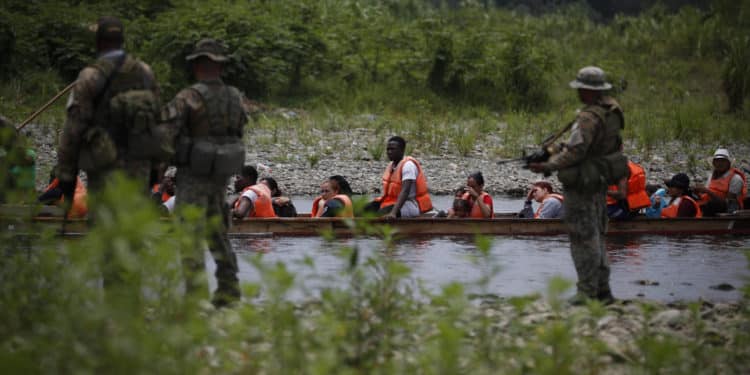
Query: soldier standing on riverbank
{"type": "Point", "coordinates": [208, 120]}
{"type": "Point", "coordinates": [589, 162]}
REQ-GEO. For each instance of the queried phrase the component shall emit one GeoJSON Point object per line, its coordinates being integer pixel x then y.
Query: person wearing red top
{"type": "Point", "coordinates": [479, 200]}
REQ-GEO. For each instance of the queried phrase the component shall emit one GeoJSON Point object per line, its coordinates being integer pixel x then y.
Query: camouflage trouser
{"type": "Point", "coordinates": [586, 220]}
{"type": "Point", "coordinates": [210, 196]}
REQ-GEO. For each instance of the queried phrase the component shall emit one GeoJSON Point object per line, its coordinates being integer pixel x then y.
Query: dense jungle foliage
{"type": "Point", "coordinates": [445, 69]}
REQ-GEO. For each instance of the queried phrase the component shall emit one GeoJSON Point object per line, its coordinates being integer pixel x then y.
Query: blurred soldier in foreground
{"type": "Point", "coordinates": [17, 163]}
{"type": "Point", "coordinates": [111, 126]}
{"type": "Point", "coordinates": [112, 116]}
{"type": "Point", "coordinates": [589, 162]}
{"type": "Point", "coordinates": [208, 121]}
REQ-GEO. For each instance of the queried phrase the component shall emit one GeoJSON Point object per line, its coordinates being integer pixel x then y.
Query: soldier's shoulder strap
{"type": "Point", "coordinates": [604, 108]}
{"type": "Point", "coordinates": [202, 89]}
{"type": "Point", "coordinates": [108, 68]}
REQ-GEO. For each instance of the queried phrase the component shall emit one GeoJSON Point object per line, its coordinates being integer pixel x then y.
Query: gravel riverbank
{"type": "Point", "coordinates": [301, 164]}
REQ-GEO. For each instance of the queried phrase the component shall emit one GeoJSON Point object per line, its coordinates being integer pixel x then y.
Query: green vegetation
{"type": "Point", "coordinates": [422, 70]}
{"type": "Point", "coordinates": [56, 317]}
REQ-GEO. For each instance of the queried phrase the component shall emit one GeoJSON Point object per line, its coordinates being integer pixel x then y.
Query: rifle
{"type": "Point", "coordinates": [546, 149]}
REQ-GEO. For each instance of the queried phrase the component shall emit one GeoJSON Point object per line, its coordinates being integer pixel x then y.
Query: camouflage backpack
{"type": "Point", "coordinates": [125, 124]}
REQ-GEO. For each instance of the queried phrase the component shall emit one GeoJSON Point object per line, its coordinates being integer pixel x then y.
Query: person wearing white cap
{"type": "Point", "coordinates": [727, 186]}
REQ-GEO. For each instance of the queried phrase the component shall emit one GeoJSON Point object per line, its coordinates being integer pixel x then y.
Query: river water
{"type": "Point", "coordinates": [652, 267]}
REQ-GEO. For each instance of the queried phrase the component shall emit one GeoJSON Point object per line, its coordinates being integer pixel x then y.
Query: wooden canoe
{"type": "Point", "coordinates": [504, 224]}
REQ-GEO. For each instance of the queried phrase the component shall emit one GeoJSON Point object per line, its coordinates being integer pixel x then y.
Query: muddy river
{"type": "Point", "coordinates": [653, 267]}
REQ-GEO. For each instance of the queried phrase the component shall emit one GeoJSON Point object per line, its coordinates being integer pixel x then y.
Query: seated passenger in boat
{"type": "Point", "coordinates": [255, 198]}
{"type": "Point", "coordinates": [628, 196]}
{"type": "Point", "coordinates": [162, 191]}
{"type": "Point", "coordinates": [460, 209]}
{"type": "Point", "coordinates": [480, 202]}
{"type": "Point", "coordinates": [282, 205]}
{"type": "Point", "coordinates": [682, 202]}
{"type": "Point", "coordinates": [727, 187]}
{"type": "Point", "coordinates": [334, 200]}
{"type": "Point", "coordinates": [550, 203]}
{"type": "Point", "coordinates": [658, 198]}
{"type": "Point", "coordinates": [53, 195]}
{"type": "Point", "coordinates": [404, 185]}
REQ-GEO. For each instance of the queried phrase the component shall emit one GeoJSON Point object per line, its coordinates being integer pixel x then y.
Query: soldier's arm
{"type": "Point", "coordinates": [176, 114]}
{"type": "Point", "coordinates": [80, 112]}
{"type": "Point", "coordinates": [581, 137]}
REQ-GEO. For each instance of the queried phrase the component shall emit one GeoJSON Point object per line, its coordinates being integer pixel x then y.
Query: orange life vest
{"type": "Point", "coordinates": [541, 205]}
{"type": "Point", "coordinates": [263, 206]}
{"type": "Point", "coordinates": [79, 208]}
{"type": "Point", "coordinates": [637, 197]}
{"type": "Point", "coordinates": [392, 185]}
{"type": "Point", "coordinates": [348, 210]}
{"type": "Point", "coordinates": [476, 212]}
{"type": "Point", "coordinates": [671, 210]}
{"type": "Point", "coordinates": [164, 195]}
{"type": "Point", "coordinates": [720, 187]}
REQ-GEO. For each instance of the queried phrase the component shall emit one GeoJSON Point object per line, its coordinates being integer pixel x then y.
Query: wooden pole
{"type": "Point", "coordinates": [45, 106]}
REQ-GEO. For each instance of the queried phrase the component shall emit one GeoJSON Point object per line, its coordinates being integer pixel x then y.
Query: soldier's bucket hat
{"type": "Point", "coordinates": [679, 180]}
{"type": "Point", "coordinates": [592, 78]}
{"type": "Point", "coordinates": [209, 48]}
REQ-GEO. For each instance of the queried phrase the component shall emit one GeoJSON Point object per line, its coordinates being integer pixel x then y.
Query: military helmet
{"type": "Point", "coordinates": [591, 78]}
{"type": "Point", "coordinates": [209, 48]}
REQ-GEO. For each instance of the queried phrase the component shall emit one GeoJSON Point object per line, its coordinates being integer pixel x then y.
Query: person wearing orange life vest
{"type": "Point", "coordinates": [254, 199]}
{"type": "Point", "coordinates": [479, 201]}
{"type": "Point", "coordinates": [165, 189]}
{"type": "Point", "coordinates": [404, 185]}
{"type": "Point", "coordinates": [53, 195]}
{"type": "Point", "coordinates": [629, 196]}
{"type": "Point", "coordinates": [334, 200]}
{"type": "Point", "coordinates": [550, 203]}
{"type": "Point", "coordinates": [682, 202]}
{"type": "Point", "coordinates": [727, 187]}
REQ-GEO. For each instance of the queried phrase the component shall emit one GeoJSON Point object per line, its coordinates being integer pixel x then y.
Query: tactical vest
{"type": "Point", "coordinates": [125, 120]}
{"type": "Point", "coordinates": [213, 146]}
{"type": "Point", "coordinates": [604, 163]}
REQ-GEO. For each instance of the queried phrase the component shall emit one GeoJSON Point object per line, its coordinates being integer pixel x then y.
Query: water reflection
{"type": "Point", "coordinates": [653, 267]}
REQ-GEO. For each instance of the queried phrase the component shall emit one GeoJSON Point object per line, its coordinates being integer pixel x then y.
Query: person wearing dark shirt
{"type": "Point", "coordinates": [682, 202]}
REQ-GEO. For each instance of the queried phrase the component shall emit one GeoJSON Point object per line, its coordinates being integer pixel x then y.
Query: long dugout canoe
{"type": "Point", "coordinates": [17, 218]}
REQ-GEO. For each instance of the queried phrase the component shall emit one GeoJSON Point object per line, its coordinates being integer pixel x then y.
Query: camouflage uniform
{"type": "Point", "coordinates": [194, 115]}
{"type": "Point", "coordinates": [87, 107]}
{"type": "Point", "coordinates": [595, 133]}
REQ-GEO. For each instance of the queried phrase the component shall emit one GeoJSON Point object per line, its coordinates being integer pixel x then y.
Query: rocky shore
{"type": "Point", "coordinates": [300, 164]}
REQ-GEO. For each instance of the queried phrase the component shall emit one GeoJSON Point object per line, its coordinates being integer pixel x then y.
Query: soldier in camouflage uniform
{"type": "Point", "coordinates": [89, 109]}
{"type": "Point", "coordinates": [207, 111]}
{"type": "Point", "coordinates": [594, 136]}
